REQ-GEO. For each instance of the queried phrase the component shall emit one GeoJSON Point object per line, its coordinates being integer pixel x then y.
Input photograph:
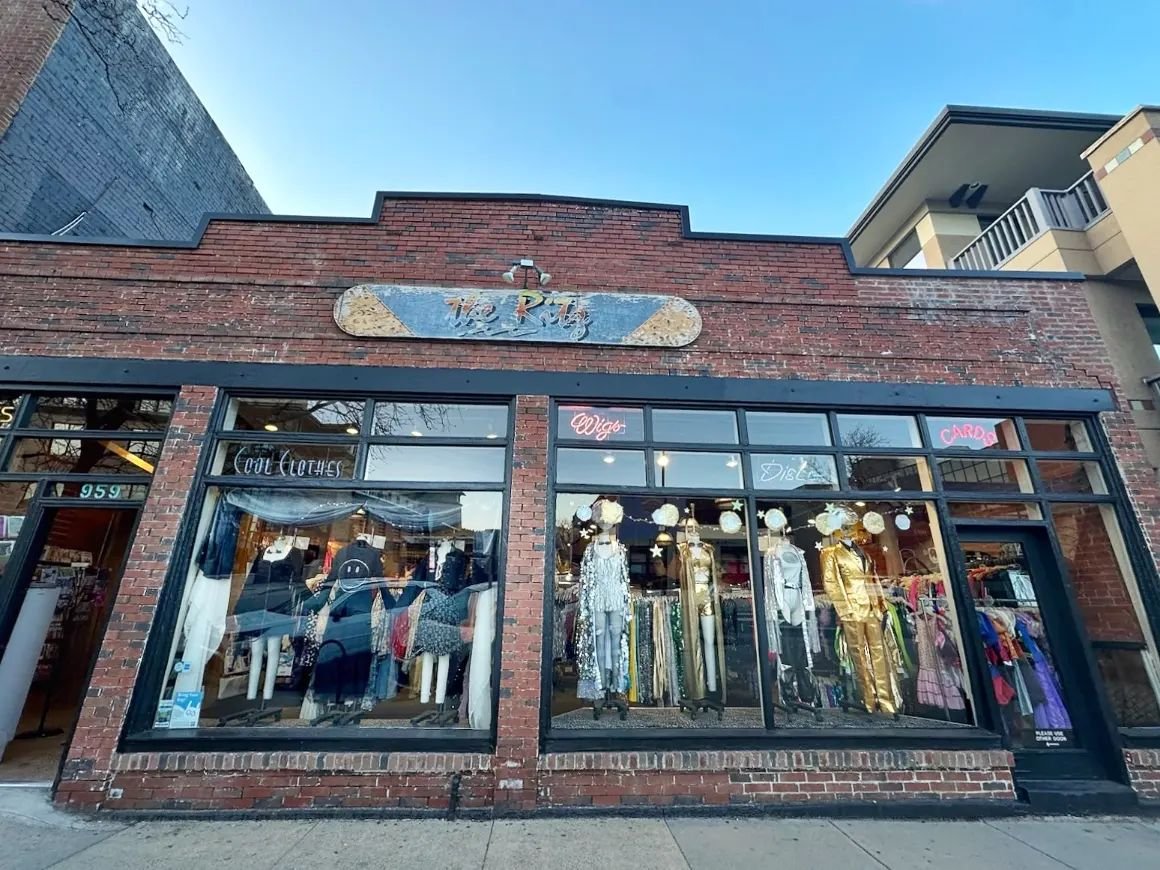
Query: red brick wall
{"type": "Point", "coordinates": [265, 291]}
{"type": "Point", "coordinates": [88, 766]}
{"type": "Point", "coordinates": [1144, 769]}
{"type": "Point", "coordinates": [27, 35]}
{"type": "Point", "coordinates": [1099, 586]}
{"type": "Point", "coordinates": [622, 779]}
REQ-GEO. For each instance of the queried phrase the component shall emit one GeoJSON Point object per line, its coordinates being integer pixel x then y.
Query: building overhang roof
{"type": "Point", "coordinates": [1009, 150]}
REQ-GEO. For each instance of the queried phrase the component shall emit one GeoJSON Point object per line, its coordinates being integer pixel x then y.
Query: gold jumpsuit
{"type": "Point", "coordinates": [856, 599]}
{"type": "Point", "coordinates": [700, 597]}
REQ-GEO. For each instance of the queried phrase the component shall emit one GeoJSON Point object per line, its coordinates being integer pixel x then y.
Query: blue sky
{"type": "Point", "coordinates": [768, 117]}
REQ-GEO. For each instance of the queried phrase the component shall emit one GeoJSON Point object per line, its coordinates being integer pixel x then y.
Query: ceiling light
{"type": "Point", "coordinates": [860, 504]}
{"type": "Point", "coordinates": [351, 430]}
{"type": "Point", "coordinates": [415, 433]}
{"type": "Point", "coordinates": [492, 435]}
{"type": "Point", "coordinates": [270, 427]}
{"type": "Point", "coordinates": [662, 460]}
{"type": "Point", "coordinates": [609, 458]}
{"type": "Point", "coordinates": [732, 463]}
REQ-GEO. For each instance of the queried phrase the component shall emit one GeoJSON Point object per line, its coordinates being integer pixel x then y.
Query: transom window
{"type": "Point", "coordinates": [618, 447]}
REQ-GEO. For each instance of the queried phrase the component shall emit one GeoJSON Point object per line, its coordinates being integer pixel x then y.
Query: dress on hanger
{"type": "Point", "coordinates": [937, 686]}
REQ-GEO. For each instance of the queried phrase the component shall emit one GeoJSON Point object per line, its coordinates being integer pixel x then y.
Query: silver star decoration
{"type": "Point", "coordinates": [656, 551]}
{"type": "Point", "coordinates": [688, 510]}
{"type": "Point", "coordinates": [586, 533]}
{"type": "Point", "coordinates": [761, 515]}
{"type": "Point", "coordinates": [830, 506]}
{"type": "Point", "coordinates": [885, 549]}
{"type": "Point", "coordinates": [817, 545]}
{"type": "Point", "coordinates": [738, 505]}
{"type": "Point", "coordinates": [909, 510]}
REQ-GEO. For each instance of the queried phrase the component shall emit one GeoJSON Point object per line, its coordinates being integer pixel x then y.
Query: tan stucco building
{"type": "Point", "coordinates": [1032, 191]}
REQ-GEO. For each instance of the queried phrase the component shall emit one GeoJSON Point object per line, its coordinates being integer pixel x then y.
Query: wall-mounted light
{"type": "Point", "coordinates": [270, 427]}
{"type": "Point", "coordinates": [732, 462]}
{"type": "Point", "coordinates": [609, 458]}
{"type": "Point", "coordinates": [529, 267]}
{"type": "Point", "coordinates": [662, 459]}
{"type": "Point", "coordinates": [415, 433]}
{"type": "Point", "coordinates": [351, 430]}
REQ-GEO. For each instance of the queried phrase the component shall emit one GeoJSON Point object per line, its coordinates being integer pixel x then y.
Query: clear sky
{"type": "Point", "coordinates": [767, 117]}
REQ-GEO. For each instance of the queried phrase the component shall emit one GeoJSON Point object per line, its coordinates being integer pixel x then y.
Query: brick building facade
{"type": "Point", "coordinates": [97, 123]}
{"type": "Point", "coordinates": [248, 310]}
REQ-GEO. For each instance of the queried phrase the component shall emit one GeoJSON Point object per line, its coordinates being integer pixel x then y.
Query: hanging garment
{"type": "Point", "coordinates": [1052, 713]}
{"type": "Point", "coordinates": [644, 651]}
{"type": "Point", "coordinates": [700, 596]}
{"type": "Point", "coordinates": [479, 667]}
{"type": "Point", "coordinates": [936, 686]}
{"type": "Point", "coordinates": [603, 589]}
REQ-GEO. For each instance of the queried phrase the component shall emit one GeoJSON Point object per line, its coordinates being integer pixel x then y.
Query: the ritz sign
{"type": "Point", "coordinates": [7, 414]}
{"type": "Point", "coordinates": [266, 461]}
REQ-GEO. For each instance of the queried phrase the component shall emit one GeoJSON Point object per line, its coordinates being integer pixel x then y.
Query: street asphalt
{"type": "Point", "coordinates": [33, 835]}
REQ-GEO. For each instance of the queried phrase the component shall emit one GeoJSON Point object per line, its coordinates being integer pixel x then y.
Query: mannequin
{"type": "Point", "coordinates": [442, 617]}
{"type": "Point", "coordinates": [444, 661]}
{"type": "Point", "coordinates": [605, 612]}
{"type": "Point", "coordinates": [848, 578]}
{"type": "Point", "coordinates": [705, 639]}
{"type": "Point", "coordinates": [352, 594]}
{"type": "Point", "coordinates": [789, 610]}
{"type": "Point", "coordinates": [265, 609]}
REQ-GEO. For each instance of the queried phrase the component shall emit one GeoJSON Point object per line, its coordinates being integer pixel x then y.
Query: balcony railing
{"type": "Point", "coordinates": [1038, 211]}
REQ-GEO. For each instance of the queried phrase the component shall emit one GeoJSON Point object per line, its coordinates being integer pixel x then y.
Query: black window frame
{"type": "Point", "coordinates": [986, 730]}
{"type": "Point", "coordinates": [139, 733]}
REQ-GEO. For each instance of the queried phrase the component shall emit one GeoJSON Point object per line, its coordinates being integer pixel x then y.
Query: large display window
{"type": "Point", "coordinates": [752, 569]}
{"type": "Point", "coordinates": [344, 571]}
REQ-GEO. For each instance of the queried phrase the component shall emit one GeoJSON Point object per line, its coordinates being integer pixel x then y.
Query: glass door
{"type": "Point", "coordinates": [1022, 668]}
{"type": "Point", "coordinates": [1041, 677]}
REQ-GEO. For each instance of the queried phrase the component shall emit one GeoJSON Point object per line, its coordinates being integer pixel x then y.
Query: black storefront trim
{"type": "Point", "coordinates": [1140, 737]}
{"type": "Point", "coordinates": [697, 739]}
{"type": "Point", "coordinates": [139, 734]}
{"type": "Point", "coordinates": [358, 380]}
{"type": "Point", "coordinates": [383, 741]}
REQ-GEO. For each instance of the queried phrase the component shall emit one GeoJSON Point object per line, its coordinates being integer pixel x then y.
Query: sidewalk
{"type": "Point", "coordinates": [33, 836]}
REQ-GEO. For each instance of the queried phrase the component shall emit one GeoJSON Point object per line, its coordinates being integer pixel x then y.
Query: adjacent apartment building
{"type": "Point", "coordinates": [100, 135]}
{"type": "Point", "coordinates": [1030, 192]}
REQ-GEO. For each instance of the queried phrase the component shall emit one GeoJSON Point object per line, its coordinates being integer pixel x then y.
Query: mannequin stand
{"type": "Point", "coordinates": [445, 715]}
{"type": "Point", "coordinates": [343, 716]}
{"type": "Point", "coordinates": [711, 701]}
{"type": "Point", "coordinates": [257, 716]}
{"type": "Point", "coordinates": [609, 703]}
{"type": "Point", "coordinates": [788, 702]}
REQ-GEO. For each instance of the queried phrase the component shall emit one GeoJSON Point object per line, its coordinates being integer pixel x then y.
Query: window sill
{"type": "Point", "coordinates": [1141, 737]}
{"type": "Point", "coordinates": [684, 739]}
{"type": "Point", "coordinates": [329, 740]}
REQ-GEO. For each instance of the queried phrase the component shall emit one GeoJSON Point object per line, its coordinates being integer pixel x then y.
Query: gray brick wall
{"type": "Point", "coordinates": [111, 127]}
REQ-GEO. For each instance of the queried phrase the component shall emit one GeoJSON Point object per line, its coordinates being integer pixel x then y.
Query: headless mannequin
{"type": "Point", "coordinates": [609, 623]}
{"type": "Point", "coordinates": [442, 664]}
{"type": "Point", "coordinates": [702, 580]}
{"type": "Point", "coordinates": [790, 603]}
{"type": "Point", "coordinates": [847, 575]}
{"type": "Point", "coordinates": [267, 650]}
